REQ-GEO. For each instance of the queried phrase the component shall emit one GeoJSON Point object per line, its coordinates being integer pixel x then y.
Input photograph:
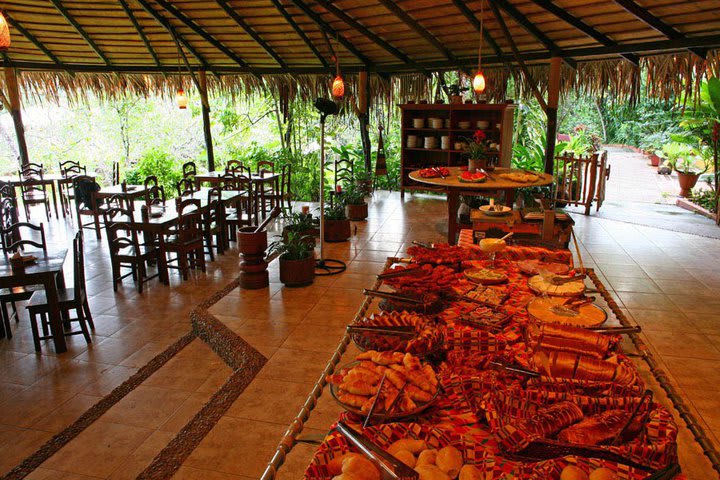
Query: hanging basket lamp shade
{"type": "Point", "coordinates": [4, 33]}
{"type": "Point", "coordinates": [338, 87]}
{"type": "Point", "coordinates": [181, 99]}
{"type": "Point", "coordinates": [479, 82]}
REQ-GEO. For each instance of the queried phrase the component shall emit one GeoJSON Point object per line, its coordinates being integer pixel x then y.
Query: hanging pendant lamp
{"type": "Point", "coordinates": [4, 33]}
{"type": "Point", "coordinates": [338, 85]}
{"type": "Point", "coordinates": [181, 99]}
{"type": "Point", "coordinates": [479, 79]}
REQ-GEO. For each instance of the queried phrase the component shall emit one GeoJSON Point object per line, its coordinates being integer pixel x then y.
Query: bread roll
{"type": "Point", "coordinates": [406, 457]}
{"type": "Point", "coordinates": [449, 460]}
{"type": "Point", "coordinates": [359, 468]}
{"type": "Point", "coordinates": [431, 472]}
{"type": "Point", "coordinates": [469, 472]}
{"type": "Point", "coordinates": [412, 446]}
{"type": "Point", "coordinates": [571, 472]}
{"type": "Point", "coordinates": [603, 474]}
{"type": "Point", "coordinates": [427, 457]}
{"type": "Point", "coordinates": [335, 465]}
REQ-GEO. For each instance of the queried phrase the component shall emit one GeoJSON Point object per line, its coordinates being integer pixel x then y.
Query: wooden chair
{"type": "Point", "coordinates": [282, 195]}
{"type": "Point", "coordinates": [233, 166]}
{"type": "Point", "coordinates": [240, 214]}
{"type": "Point", "coordinates": [69, 170]}
{"type": "Point", "coordinates": [188, 240]}
{"type": "Point", "coordinates": [116, 173]}
{"type": "Point", "coordinates": [266, 192]}
{"type": "Point", "coordinates": [125, 248]}
{"type": "Point", "coordinates": [214, 223]}
{"type": "Point", "coordinates": [12, 241]}
{"type": "Point", "coordinates": [189, 170]}
{"type": "Point", "coordinates": [343, 173]}
{"type": "Point", "coordinates": [86, 203]}
{"type": "Point", "coordinates": [33, 189]}
{"type": "Point", "coordinates": [68, 299]}
{"type": "Point", "coordinates": [185, 187]}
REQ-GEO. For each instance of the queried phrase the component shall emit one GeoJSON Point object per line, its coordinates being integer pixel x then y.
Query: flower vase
{"type": "Point", "coordinates": [475, 164]}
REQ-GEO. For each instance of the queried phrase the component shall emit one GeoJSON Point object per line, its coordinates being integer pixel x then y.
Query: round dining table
{"type": "Point", "coordinates": [495, 182]}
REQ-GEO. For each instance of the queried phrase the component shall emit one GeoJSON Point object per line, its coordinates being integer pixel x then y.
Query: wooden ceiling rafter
{"type": "Point", "coordinates": [80, 30]}
{"type": "Point", "coordinates": [532, 29]}
{"type": "Point", "coordinates": [563, 14]}
{"type": "Point", "coordinates": [175, 12]}
{"type": "Point", "coordinates": [521, 63]}
{"type": "Point", "coordinates": [26, 33]}
{"type": "Point", "coordinates": [249, 30]}
{"type": "Point", "coordinates": [141, 34]}
{"type": "Point", "coordinates": [303, 36]}
{"type": "Point", "coordinates": [176, 37]}
{"type": "Point", "coordinates": [644, 15]}
{"type": "Point", "coordinates": [376, 39]}
{"type": "Point", "coordinates": [323, 26]}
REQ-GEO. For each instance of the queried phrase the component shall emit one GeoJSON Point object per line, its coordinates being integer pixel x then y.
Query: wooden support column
{"type": "Point", "coordinates": [363, 109]}
{"type": "Point", "coordinates": [202, 83]}
{"type": "Point", "coordinates": [551, 111]}
{"type": "Point", "coordinates": [12, 103]}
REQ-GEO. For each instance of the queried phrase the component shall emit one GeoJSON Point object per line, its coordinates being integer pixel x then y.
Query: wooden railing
{"type": "Point", "coordinates": [581, 180]}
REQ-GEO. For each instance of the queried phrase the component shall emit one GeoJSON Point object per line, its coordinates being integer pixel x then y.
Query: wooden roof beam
{"type": "Point", "coordinates": [516, 53]}
{"type": "Point", "coordinates": [288, 18]}
{"type": "Point", "coordinates": [18, 26]}
{"type": "Point", "coordinates": [651, 20]}
{"type": "Point", "coordinates": [563, 14]}
{"type": "Point", "coordinates": [171, 30]}
{"type": "Point", "coordinates": [411, 23]}
{"type": "Point", "coordinates": [531, 28]}
{"type": "Point", "coordinates": [323, 26]}
{"type": "Point", "coordinates": [141, 34]}
{"type": "Point", "coordinates": [248, 29]}
{"type": "Point", "coordinates": [470, 16]}
{"type": "Point", "coordinates": [173, 10]}
{"type": "Point", "coordinates": [64, 12]}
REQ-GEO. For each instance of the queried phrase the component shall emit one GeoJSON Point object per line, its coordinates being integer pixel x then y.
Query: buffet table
{"type": "Point", "coordinates": [453, 187]}
{"type": "Point", "coordinates": [507, 403]}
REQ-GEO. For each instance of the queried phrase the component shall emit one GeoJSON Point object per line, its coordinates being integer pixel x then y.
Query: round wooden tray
{"type": "Point", "coordinates": [588, 315]}
{"type": "Point", "coordinates": [538, 285]}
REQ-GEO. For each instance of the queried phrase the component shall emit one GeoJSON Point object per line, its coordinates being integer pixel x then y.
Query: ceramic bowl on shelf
{"type": "Point", "coordinates": [464, 125]}
{"type": "Point", "coordinates": [418, 122]}
{"type": "Point", "coordinates": [445, 142]}
{"type": "Point", "coordinates": [412, 141]}
{"type": "Point", "coordinates": [447, 123]}
{"type": "Point", "coordinates": [483, 124]}
{"type": "Point", "coordinates": [435, 122]}
{"type": "Point", "coordinates": [430, 142]}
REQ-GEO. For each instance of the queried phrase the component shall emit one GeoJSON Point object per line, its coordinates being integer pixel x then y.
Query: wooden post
{"type": "Point", "coordinates": [363, 107]}
{"type": "Point", "coordinates": [551, 111]}
{"type": "Point", "coordinates": [12, 99]}
{"type": "Point", "coordinates": [202, 83]}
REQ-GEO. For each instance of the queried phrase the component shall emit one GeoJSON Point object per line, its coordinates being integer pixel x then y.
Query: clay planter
{"type": "Point", "coordinates": [296, 273]}
{"type": "Point", "coordinates": [337, 230]}
{"type": "Point", "coordinates": [253, 268]}
{"type": "Point", "coordinates": [357, 212]}
{"type": "Point", "coordinates": [687, 182]}
{"type": "Point", "coordinates": [456, 99]}
{"type": "Point", "coordinates": [654, 160]}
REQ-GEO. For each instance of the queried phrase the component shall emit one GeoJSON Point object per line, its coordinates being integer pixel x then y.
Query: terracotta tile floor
{"type": "Point", "coordinates": [664, 280]}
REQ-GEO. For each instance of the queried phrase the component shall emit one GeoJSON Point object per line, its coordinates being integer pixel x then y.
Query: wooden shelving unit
{"type": "Point", "coordinates": [500, 129]}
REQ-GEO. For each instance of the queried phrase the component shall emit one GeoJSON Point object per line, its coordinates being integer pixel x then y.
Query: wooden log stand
{"type": "Point", "coordinates": [253, 267]}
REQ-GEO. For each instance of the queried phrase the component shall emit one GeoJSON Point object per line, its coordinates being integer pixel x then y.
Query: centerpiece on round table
{"type": "Point", "coordinates": [476, 151]}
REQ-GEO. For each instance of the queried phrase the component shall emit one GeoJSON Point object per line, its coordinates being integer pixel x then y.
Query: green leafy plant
{"type": "Point", "coordinates": [706, 198]}
{"type": "Point", "coordinates": [294, 247]}
{"type": "Point", "coordinates": [335, 211]}
{"type": "Point", "coordinates": [477, 146]}
{"type": "Point", "coordinates": [160, 163]}
{"type": "Point", "coordinates": [353, 194]}
{"type": "Point", "coordinates": [686, 159]}
{"type": "Point", "coordinates": [299, 222]}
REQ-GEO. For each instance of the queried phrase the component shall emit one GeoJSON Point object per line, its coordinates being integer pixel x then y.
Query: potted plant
{"type": "Point", "coordinates": [297, 259]}
{"type": "Point", "coordinates": [476, 151]}
{"type": "Point", "coordinates": [688, 163]}
{"type": "Point", "coordinates": [354, 199]}
{"type": "Point", "coordinates": [337, 225]}
{"type": "Point", "coordinates": [454, 93]}
{"type": "Point", "coordinates": [364, 182]}
{"type": "Point", "coordinates": [303, 224]}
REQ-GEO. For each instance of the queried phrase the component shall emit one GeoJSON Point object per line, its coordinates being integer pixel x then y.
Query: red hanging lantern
{"type": "Point", "coordinates": [479, 82]}
{"type": "Point", "coordinates": [181, 99]}
{"type": "Point", "coordinates": [338, 87]}
{"type": "Point", "coordinates": [4, 33]}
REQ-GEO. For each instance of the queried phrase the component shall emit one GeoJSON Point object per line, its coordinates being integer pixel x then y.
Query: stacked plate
{"type": "Point", "coordinates": [435, 122]}
{"type": "Point", "coordinates": [464, 125]}
{"type": "Point", "coordinates": [483, 124]}
{"type": "Point", "coordinates": [431, 142]}
{"type": "Point", "coordinates": [412, 141]}
{"type": "Point", "coordinates": [418, 123]}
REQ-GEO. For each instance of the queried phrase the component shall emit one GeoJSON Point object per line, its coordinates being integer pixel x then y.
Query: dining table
{"type": "Point", "coordinates": [45, 270]}
{"type": "Point", "coordinates": [52, 180]}
{"type": "Point", "coordinates": [257, 180]}
{"type": "Point", "coordinates": [495, 181]}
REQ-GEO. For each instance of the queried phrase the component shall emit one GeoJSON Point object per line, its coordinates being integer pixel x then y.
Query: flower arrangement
{"type": "Point", "coordinates": [478, 146]}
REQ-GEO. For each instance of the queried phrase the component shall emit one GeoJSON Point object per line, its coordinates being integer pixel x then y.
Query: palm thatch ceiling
{"type": "Point", "coordinates": [261, 37]}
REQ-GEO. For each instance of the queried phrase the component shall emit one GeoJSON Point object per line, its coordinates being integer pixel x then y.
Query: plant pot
{"type": "Point", "coordinates": [337, 230]}
{"type": "Point", "coordinates": [475, 164]}
{"type": "Point", "coordinates": [295, 273]}
{"type": "Point", "coordinates": [357, 212]}
{"type": "Point", "coordinates": [654, 160]}
{"type": "Point", "coordinates": [365, 186]}
{"type": "Point", "coordinates": [310, 233]}
{"type": "Point", "coordinates": [687, 181]}
{"type": "Point", "coordinates": [456, 99]}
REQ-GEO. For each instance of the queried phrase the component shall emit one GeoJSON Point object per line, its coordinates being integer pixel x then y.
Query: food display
{"type": "Point", "coordinates": [477, 177]}
{"type": "Point", "coordinates": [434, 172]}
{"type": "Point", "coordinates": [520, 177]}
{"type": "Point", "coordinates": [518, 385]}
{"type": "Point", "coordinates": [396, 384]}
{"type": "Point", "coordinates": [428, 337]}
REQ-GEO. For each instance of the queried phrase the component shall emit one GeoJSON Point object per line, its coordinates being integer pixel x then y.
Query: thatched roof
{"type": "Point", "coordinates": [245, 43]}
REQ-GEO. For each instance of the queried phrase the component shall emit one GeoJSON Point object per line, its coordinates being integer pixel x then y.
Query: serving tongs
{"type": "Point", "coordinates": [439, 172]}
{"type": "Point", "coordinates": [389, 464]}
{"type": "Point", "coordinates": [402, 273]}
{"type": "Point", "coordinates": [564, 280]}
{"type": "Point", "coordinates": [430, 246]}
{"type": "Point", "coordinates": [517, 370]}
{"type": "Point", "coordinates": [403, 331]}
{"type": "Point", "coordinates": [393, 297]}
{"type": "Point", "coordinates": [616, 330]}
{"type": "Point", "coordinates": [646, 398]}
{"type": "Point", "coordinates": [571, 308]}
